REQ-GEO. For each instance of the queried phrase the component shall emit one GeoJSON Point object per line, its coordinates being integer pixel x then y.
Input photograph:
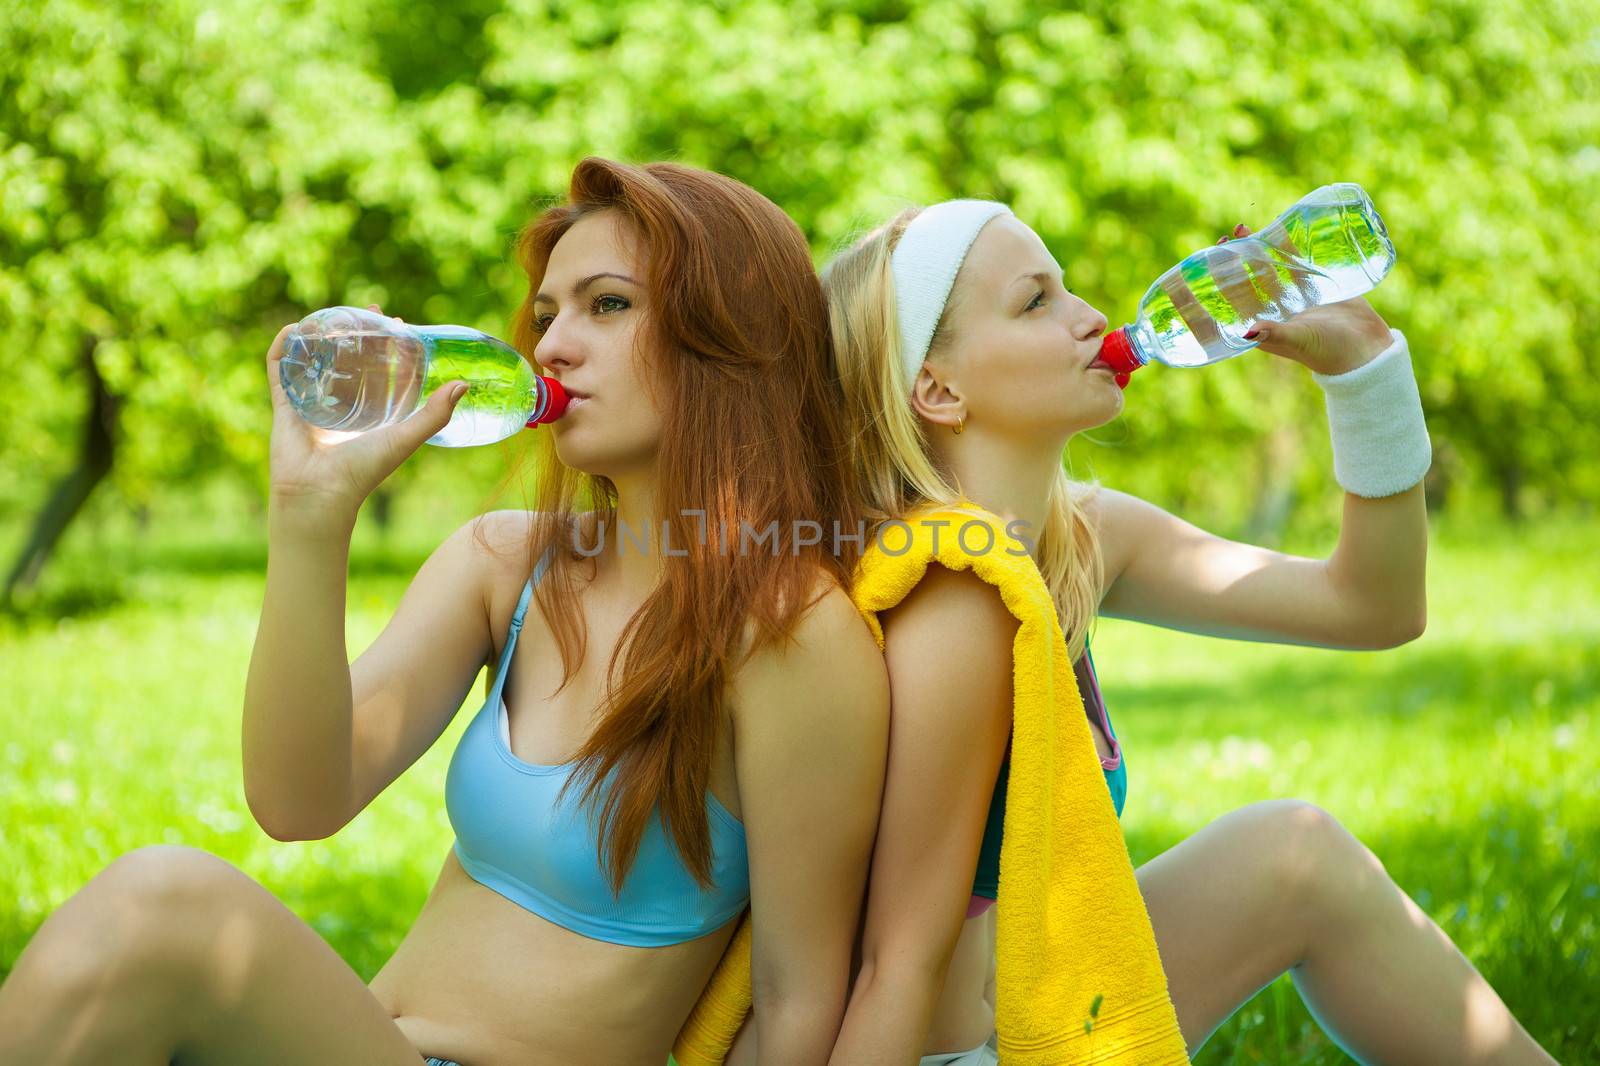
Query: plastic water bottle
{"type": "Point", "coordinates": [347, 368]}
{"type": "Point", "coordinates": [1330, 246]}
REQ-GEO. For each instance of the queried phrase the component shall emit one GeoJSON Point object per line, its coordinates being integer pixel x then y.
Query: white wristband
{"type": "Point", "coordinates": [1380, 441]}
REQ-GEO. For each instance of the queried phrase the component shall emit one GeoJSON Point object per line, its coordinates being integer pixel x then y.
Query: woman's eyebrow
{"type": "Point", "coordinates": [1040, 276]}
{"type": "Point", "coordinates": [584, 283]}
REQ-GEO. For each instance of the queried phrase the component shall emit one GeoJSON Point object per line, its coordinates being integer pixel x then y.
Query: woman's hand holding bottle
{"type": "Point", "coordinates": [1380, 438]}
{"type": "Point", "coordinates": [1329, 339]}
{"type": "Point", "coordinates": [1298, 282]}
{"type": "Point", "coordinates": [326, 475]}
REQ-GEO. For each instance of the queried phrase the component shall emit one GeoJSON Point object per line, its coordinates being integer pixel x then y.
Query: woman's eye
{"type": "Point", "coordinates": [608, 304]}
{"type": "Point", "coordinates": [542, 323]}
{"type": "Point", "coordinates": [1037, 301]}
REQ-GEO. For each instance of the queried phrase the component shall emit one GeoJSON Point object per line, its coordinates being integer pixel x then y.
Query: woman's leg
{"type": "Point", "coordinates": [1283, 886]}
{"type": "Point", "coordinates": [172, 953]}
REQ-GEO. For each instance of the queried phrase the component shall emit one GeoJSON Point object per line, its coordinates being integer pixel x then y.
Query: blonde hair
{"type": "Point", "coordinates": [893, 460]}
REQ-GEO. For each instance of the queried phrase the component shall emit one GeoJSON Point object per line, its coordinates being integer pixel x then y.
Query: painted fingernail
{"type": "Point", "coordinates": [1252, 335]}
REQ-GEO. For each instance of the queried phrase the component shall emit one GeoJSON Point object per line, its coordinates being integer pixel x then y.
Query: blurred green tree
{"type": "Point", "coordinates": [174, 191]}
{"type": "Point", "coordinates": [180, 179]}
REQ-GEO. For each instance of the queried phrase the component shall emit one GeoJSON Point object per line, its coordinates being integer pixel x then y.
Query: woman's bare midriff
{"type": "Point", "coordinates": [964, 1015]}
{"type": "Point", "coordinates": [485, 982]}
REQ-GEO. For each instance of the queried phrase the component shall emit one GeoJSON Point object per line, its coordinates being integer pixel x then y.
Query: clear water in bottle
{"type": "Point", "coordinates": [1330, 246]}
{"type": "Point", "coordinates": [345, 368]}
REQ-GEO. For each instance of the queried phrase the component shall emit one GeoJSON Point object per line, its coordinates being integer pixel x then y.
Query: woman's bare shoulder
{"type": "Point", "coordinates": [957, 608]}
{"type": "Point", "coordinates": [829, 648]}
{"type": "Point", "coordinates": [503, 543]}
{"type": "Point", "coordinates": [1117, 518]}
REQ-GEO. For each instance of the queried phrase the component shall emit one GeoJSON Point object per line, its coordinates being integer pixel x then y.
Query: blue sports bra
{"type": "Point", "coordinates": [512, 837]}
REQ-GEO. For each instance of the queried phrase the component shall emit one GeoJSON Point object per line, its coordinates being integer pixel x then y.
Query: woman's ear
{"type": "Point", "coordinates": [937, 398]}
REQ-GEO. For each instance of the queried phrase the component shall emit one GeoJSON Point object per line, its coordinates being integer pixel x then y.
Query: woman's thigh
{"type": "Point", "coordinates": [176, 947]}
{"type": "Point", "coordinates": [1228, 907]}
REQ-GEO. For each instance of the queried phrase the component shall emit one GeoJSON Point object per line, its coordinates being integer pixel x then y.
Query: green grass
{"type": "Point", "coordinates": [1467, 760]}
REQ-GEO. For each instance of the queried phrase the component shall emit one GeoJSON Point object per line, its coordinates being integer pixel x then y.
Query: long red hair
{"type": "Point", "coordinates": [739, 332]}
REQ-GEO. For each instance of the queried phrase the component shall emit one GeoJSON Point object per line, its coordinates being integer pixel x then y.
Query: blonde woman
{"type": "Point", "coordinates": [967, 368]}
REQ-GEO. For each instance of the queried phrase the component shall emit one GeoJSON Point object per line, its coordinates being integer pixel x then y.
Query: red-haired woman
{"type": "Point", "coordinates": [647, 767]}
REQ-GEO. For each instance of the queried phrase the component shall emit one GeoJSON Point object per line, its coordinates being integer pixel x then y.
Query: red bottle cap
{"type": "Point", "coordinates": [557, 405]}
{"type": "Point", "coordinates": [1116, 351]}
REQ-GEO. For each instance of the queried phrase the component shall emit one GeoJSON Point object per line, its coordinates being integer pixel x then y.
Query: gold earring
{"type": "Point", "coordinates": [961, 421]}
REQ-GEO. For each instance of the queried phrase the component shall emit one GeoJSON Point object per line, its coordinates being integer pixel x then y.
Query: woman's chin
{"type": "Point", "coordinates": [1110, 408]}
{"type": "Point", "coordinates": [1090, 417]}
{"type": "Point", "coordinates": [574, 456]}
{"type": "Point", "coordinates": [611, 463]}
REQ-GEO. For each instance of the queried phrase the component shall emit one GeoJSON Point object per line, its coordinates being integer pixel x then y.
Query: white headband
{"type": "Point", "coordinates": [925, 264]}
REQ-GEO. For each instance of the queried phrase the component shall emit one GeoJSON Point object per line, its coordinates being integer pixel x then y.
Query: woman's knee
{"type": "Point", "coordinates": [1315, 861]}
{"type": "Point", "coordinates": [140, 920]}
{"type": "Point", "coordinates": [167, 877]}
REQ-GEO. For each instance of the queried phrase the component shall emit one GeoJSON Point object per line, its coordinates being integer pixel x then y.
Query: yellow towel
{"type": "Point", "coordinates": [1078, 979]}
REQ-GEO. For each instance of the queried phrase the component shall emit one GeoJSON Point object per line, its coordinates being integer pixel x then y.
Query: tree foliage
{"type": "Point", "coordinates": [180, 179]}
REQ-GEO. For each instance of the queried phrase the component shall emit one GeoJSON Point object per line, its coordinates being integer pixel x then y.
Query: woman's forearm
{"type": "Point", "coordinates": [297, 704]}
{"type": "Point", "coordinates": [1380, 443]}
{"type": "Point", "coordinates": [1381, 562]}
{"type": "Point", "coordinates": [795, 1033]}
{"type": "Point", "coordinates": [888, 1018]}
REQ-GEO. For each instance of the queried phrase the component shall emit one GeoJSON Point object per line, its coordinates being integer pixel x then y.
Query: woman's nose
{"type": "Point", "coordinates": [1095, 321]}
{"type": "Point", "coordinates": [557, 347]}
